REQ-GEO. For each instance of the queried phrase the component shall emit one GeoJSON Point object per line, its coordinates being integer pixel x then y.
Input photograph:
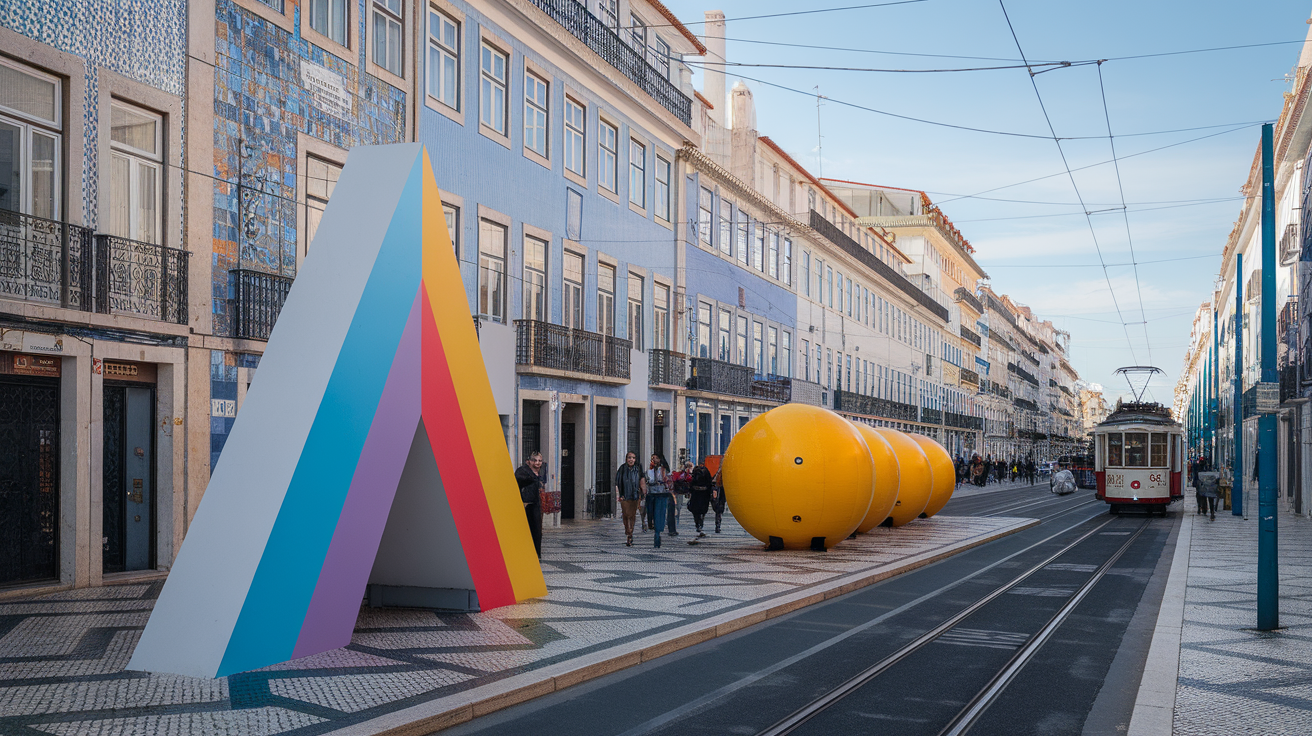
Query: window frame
{"type": "Point", "coordinates": [635, 309]}
{"type": "Point", "coordinates": [661, 190]}
{"type": "Point", "coordinates": [660, 338]}
{"type": "Point", "coordinates": [488, 52]}
{"type": "Point", "coordinates": [608, 158]}
{"type": "Point", "coordinates": [638, 174]}
{"type": "Point", "coordinates": [541, 110]}
{"type": "Point", "coordinates": [310, 229]}
{"type": "Point", "coordinates": [444, 52]}
{"type": "Point", "coordinates": [31, 125]}
{"type": "Point", "coordinates": [138, 160]}
{"type": "Point", "coordinates": [398, 17]}
{"type": "Point", "coordinates": [606, 299]}
{"type": "Point", "coordinates": [535, 280]}
{"type": "Point", "coordinates": [576, 140]}
{"type": "Point", "coordinates": [485, 294]}
{"type": "Point", "coordinates": [573, 311]}
{"type": "Point", "coordinates": [345, 48]}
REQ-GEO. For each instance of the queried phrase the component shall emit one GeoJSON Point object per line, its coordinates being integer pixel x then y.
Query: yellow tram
{"type": "Point", "coordinates": [1139, 457]}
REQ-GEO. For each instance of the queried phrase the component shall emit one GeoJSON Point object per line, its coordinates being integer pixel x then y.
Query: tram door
{"type": "Point", "coordinates": [29, 478]}
{"type": "Point", "coordinates": [128, 478]}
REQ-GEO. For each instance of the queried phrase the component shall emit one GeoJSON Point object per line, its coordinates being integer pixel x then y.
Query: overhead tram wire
{"type": "Point", "coordinates": [1219, 200]}
{"type": "Point", "coordinates": [1088, 218]}
{"type": "Point", "coordinates": [782, 15]}
{"type": "Point", "coordinates": [1129, 238]}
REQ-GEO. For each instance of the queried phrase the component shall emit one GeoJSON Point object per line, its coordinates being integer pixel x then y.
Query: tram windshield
{"type": "Point", "coordinates": [1136, 449]}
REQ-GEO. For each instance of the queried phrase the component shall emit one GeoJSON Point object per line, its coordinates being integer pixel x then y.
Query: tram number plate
{"type": "Point", "coordinates": [1268, 397]}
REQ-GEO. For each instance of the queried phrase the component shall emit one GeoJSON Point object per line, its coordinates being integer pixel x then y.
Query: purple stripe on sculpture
{"type": "Point", "coordinates": [336, 600]}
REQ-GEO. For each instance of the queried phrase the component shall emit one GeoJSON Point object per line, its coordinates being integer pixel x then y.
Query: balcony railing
{"type": "Point", "coordinates": [931, 416]}
{"type": "Point", "coordinates": [962, 295]}
{"type": "Point", "coordinates": [806, 392]}
{"type": "Point", "coordinates": [590, 29]}
{"type": "Point", "coordinates": [772, 388]}
{"type": "Point", "coordinates": [560, 348]}
{"type": "Point", "coordinates": [971, 335]}
{"type": "Point", "coordinates": [962, 421]}
{"type": "Point", "coordinates": [999, 389]}
{"type": "Point", "coordinates": [141, 279]}
{"type": "Point", "coordinates": [1023, 374]}
{"type": "Point", "coordinates": [667, 368]}
{"type": "Point", "coordinates": [874, 407]}
{"type": "Point", "coordinates": [45, 261]}
{"type": "Point", "coordinates": [1025, 404]}
{"type": "Point", "coordinates": [257, 299]}
{"type": "Point", "coordinates": [720, 377]}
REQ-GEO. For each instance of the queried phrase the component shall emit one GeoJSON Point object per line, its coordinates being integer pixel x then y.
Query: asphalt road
{"type": "Point", "coordinates": [1071, 636]}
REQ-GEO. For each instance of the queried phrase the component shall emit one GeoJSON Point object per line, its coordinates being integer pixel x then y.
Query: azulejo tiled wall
{"type": "Point", "coordinates": [144, 41]}
{"type": "Point", "coordinates": [261, 103]}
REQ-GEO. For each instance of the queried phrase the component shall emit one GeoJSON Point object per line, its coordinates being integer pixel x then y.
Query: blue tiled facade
{"type": "Point", "coordinates": [260, 106]}
{"type": "Point", "coordinates": [145, 42]}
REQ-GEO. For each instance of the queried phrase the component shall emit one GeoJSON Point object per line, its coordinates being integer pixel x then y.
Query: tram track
{"type": "Point", "coordinates": [980, 702]}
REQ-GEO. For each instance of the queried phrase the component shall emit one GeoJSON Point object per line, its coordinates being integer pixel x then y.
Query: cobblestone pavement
{"type": "Point", "coordinates": [1234, 680]}
{"type": "Point", "coordinates": [62, 656]}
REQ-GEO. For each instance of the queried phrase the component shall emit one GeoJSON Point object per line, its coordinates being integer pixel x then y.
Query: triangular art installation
{"type": "Point", "coordinates": [372, 380]}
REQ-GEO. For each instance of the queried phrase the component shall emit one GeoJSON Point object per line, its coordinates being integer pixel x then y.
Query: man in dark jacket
{"type": "Point", "coordinates": [530, 481]}
{"type": "Point", "coordinates": [628, 489]}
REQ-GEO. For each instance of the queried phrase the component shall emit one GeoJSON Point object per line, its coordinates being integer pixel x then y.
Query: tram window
{"type": "Point", "coordinates": [1136, 449]}
{"type": "Point", "coordinates": [1158, 448]}
{"type": "Point", "coordinates": [1114, 449]}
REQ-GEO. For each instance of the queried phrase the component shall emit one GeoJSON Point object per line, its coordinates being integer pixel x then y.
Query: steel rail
{"type": "Point", "coordinates": [794, 720]}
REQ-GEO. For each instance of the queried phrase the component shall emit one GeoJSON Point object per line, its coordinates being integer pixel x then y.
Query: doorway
{"type": "Point", "coordinates": [128, 478]}
{"type": "Point", "coordinates": [605, 451]}
{"type": "Point", "coordinates": [29, 479]}
{"type": "Point", "coordinates": [703, 437]}
{"type": "Point", "coordinates": [567, 470]}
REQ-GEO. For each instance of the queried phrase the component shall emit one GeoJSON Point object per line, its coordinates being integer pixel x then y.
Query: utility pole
{"type": "Point", "coordinates": [1268, 579]}
{"type": "Point", "coordinates": [1237, 408]}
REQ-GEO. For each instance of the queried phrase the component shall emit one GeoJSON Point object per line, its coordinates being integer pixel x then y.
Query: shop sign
{"type": "Point", "coordinates": [36, 365]}
{"type": "Point", "coordinates": [120, 370]}
{"type": "Point", "coordinates": [660, 418]}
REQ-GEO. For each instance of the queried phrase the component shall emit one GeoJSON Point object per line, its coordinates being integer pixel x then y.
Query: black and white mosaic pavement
{"type": "Point", "coordinates": [1235, 680]}
{"type": "Point", "coordinates": [62, 656]}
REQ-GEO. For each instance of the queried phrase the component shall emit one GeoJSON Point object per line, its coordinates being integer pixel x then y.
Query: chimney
{"type": "Point", "coordinates": [713, 69]}
{"type": "Point", "coordinates": [1304, 59]}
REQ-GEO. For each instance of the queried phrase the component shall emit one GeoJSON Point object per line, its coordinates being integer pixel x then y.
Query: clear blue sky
{"type": "Point", "coordinates": [1045, 228]}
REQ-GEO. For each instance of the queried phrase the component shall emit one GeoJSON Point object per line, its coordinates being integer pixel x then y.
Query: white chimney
{"type": "Point", "coordinates": [713, 68]}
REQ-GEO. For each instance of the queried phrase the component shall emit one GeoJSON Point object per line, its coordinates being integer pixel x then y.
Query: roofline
{"type": "Point", "coordinates": [675, 22]}
{"type": "Point", "coordinates": [775, 147]}
{"type": "Point", "coordinates": [705, 101]}
{"type": "Point", "coordinates": [873, 186]}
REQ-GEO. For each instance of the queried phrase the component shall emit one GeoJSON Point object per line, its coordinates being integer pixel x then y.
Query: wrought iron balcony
{"type": "Point", "coordinates": [1023, 374]}
{"type": "Point", "coordinates": [874, 407]}
{"type": "Point", "coordinates": [720, 377]}
{"type": "Point", "coordinates": [560, 348]}
{"type": "Point", "coordinates": [590, 29]}
{"type": "Point", "coordinates": [806, 392]}
{"type": "Point", "coordinates": [1025, 404]}
{"type": "Point", "coordinates": [667, 368]}
{"type": "Point", "coordinates": [999, 389]}
{"type": "Point", "coordinates": [962, 421]}
{"type": "Point", "coordinates": [931, 416]}
{"type": "Point", "coordinates": [141, 279]}
{"type": "Point", "coordinates": [772, 388]}
{"type": "Point", "coordinates": [971, 335]}
{"type": "Point", "coordinates": [45, 261]}
{"type": "Point", "coordinates": [257, 299]}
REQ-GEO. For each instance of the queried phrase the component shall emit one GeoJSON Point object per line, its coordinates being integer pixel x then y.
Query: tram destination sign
{"type": "Point", "coordinates": [1268, 397]}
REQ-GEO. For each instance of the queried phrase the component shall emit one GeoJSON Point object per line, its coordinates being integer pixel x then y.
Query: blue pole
{"type": "Point", "coordinates": [1237, 409]}
{"type": "Point", "coordinates": [1268, 578]}
{"type": "Point", "coordinates": [1215, 383]}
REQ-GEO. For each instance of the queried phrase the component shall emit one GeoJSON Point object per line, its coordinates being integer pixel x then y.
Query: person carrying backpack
{"type": "Point", "coordinates": [699, 498]}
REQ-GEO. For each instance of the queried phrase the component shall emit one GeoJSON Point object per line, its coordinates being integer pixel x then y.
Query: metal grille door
{"type": "Point", "coordinates": [29, 479]}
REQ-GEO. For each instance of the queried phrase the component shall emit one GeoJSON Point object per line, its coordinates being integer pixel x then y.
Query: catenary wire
{"type": "Point", "coordinates": [1092, 230]}
{"type": "Point", "coordinates": [780, 15]}
{"type": "Point", "coordinates": [1219, 200]}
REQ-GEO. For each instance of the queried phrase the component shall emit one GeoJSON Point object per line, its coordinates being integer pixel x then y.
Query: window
{"type": "Point", "coordinates": [806, 273]}
{"type": "Point", "coordinates": [320, 180]}
{"type": "Point", "coordinates": [572, 293]}
{"type": "Point", "coordinates": [135, 164]}
{"type": "Point", "coordinates": [703, 330]}
{"type": "Point", "coordinates": [535, 279]}
{"type": "Point", "coordinates": [1136, 449]}
{"type": "Point", "coordinates": [1157, 456]}
{"type": "Point", "coordinates": [30, 117]}
{"type": "Point", "coordinates": [806, 359]}
{"type": "Point", "coordinates": [492, 90]}
{"type": "Point", "coordinates": [637, 34]}
{"type": "Point", "coordinates": [660, 329]}
{"type": "Point", "coordinates": [605, 299]}
{"type": "Point", "coordinates": [726, 227]}
{"type": "Point", "coordinates": [574, 137]}
{"type": "Point", "coordinates": [758, 348]}
{"type": "Point", "coordinates": [609, 12]}
{"type": "Point", "coordinates": [443, 60]}
{"type": "Point", "coordinates": [829, 283]}
{"type": "Point", "coordinates": [275, 4]}
{"type": "Point", "coordinates": [829, 367]}
{"type": "Point", "coordinates": [786, 357]}
{"type": "Point", "coordinates": [637, 174]}
{"type": "Point", "coordinates": [535, 114]}
{"type": "Point", "coordinates": [740, 341]}
{"type": "Point", "coordinates": [705, 199]}
{"type": "Point", "coordinates": [662, 192]}
{"type": "Point", "coordinates": [328, 17]}
{"type": "Point", "coordinates": [772, 258]}
{"type": "Point", "coordinates": [635, 310]}
{"type": "Point", "coordinates": [492, 270]}
{"type": "Point", "coordinates": [451, 214]}
{"type": "Point", "coordinates": [1114, 449]}
{"type": "Point", "coordinates": [725, 326]}
{"type": "Point", "coordinates": [742, 237]}
{"type": "Point", "coordinates": [758, 248]}
{"type": "Point", "coordinates": [772, 351]}
{"type": "Point", "coordinates": [849, 297]}
{"type": "Point", "coordinates": [849, 372]}
{"type": "Point", "coordinates": [788, 261]}
{"type": "Point", "coordinates": [608, 156]}
{"type": "Point", "coordinates": [659, 55]}
{"type": "Point", "coordinates": [387, 35]}
{"type": "Point", "coordinates": [840, 292]}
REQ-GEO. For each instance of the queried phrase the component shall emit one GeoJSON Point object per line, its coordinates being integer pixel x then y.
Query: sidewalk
{"type": "Point", "coordinates": [62, 656]}
{"type": "Point", "coordinates": [1229, 679]}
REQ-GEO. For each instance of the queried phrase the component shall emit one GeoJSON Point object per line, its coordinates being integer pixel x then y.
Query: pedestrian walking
{"type": "Point", "coordinates": [718, 499]}
{"type": "Point", "coordinates": [628, 489]}
{"type": "Point", "coordinates": [1031, 472]}
{"type": "Point", "coordinates": [699, 497]}
{"type": "Point", "coordinates": [1209, 490]}
{"type": "Point", "coordinates": [657, 486]}
{"type": "Point", "coordinates": [977, 473]}
{"type": "Point", "coordinates": [531, 484]}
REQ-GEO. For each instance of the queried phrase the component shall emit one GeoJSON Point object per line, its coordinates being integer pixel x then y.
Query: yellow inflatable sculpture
{"type": "Point", "coordinates": [798, 477]}
{"type": "Point", "coordinates": [916, 477]}
{"type": "Point", "coordinates": [886, 477]}
{"type": "Point", "coordinates": [944, 472]}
